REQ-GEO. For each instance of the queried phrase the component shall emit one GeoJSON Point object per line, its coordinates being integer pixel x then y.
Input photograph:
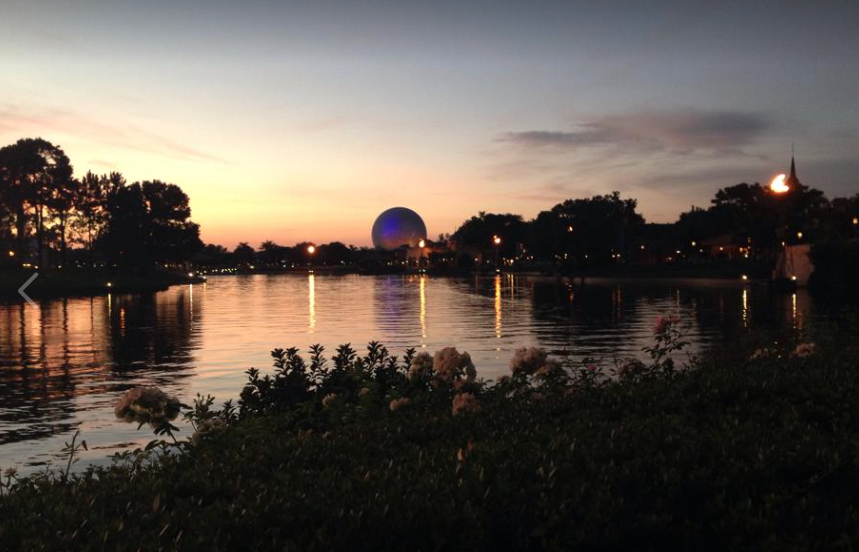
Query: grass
{"type": "Point", "coordinates": [741, 454]}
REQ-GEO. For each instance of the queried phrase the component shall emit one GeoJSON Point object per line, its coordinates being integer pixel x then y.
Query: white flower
{"type": "Point", "coordinates": [146, 404]}
{"type": "Point", "coordinates": [449, 365]}
{"type": "Point", "coordinates": [207, 427]}
{"type": "Point", "coordinates": [421, 365]}
{"type": "Point", "coordinates": [527, 360]}
{"type": "Point", "coordinates": [760, 354]}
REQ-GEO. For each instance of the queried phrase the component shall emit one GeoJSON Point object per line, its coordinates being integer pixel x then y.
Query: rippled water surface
{"type": "Point", "coordinates": [64, 363]}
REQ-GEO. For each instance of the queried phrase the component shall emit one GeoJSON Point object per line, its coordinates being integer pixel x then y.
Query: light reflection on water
{"type": "Point", "coordinates": [64, 363]}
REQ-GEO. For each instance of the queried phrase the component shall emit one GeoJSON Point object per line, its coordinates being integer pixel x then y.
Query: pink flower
{"type": "Point", "coordinates": [628, 366]}
{"type": "Point", "coordinates": [328, 399]}
{"type": "Point", "coordinates": [804, 350]}
{"type": "Point", "coordinates": [592, 368]}
{"type": "Point", "coordinates": [664, 323]}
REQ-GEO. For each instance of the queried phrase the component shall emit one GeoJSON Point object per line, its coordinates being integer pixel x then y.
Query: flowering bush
{"type": "Point", "coordinates": [804, 350]}
{"type": "Point", "coordinates": [149, 405]}
{"type": "Point", "coordinates": [465, 402]}
{"type": "Point", "coordinates": [669, 340]}
{"type": "Point", "coordinates": [206, 428]}
{"type": "Point", "coordinates": [527, 361]}
{"type": "Point", "coordinates": [421, 366]}
{"type": "Point", "coordinates": [450, 366]}
{"type": "Point", "coordinates": [557, 457]}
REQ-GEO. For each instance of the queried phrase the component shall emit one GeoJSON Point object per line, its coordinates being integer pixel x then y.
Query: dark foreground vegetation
{"type": "Point", "coordinates": [759, 452]}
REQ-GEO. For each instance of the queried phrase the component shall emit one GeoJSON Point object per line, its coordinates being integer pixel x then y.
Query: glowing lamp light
{"type": "Point", "coordinates": [12, 253]}
{"type": "Point", "coordinates": [311, 249]}
{"type": "Point", "coordinates": [496, 240]}
{"type": "Point", "coordinates": [744, 277]}
{"type": "Point", "coordinates": [110, 284]}
{"type": "Point", "coordinates": [799, 235]}
{"type": "Point", "coordinates": [793, 278]}
{"type": "Point", "coordinates": [778, 186]}
{"type": "Point", "coordinates": [190, 275]}
{"type": "Point", "coordinates": [855, 222]}
{"type": "Point", "coordinates": [422, 244]}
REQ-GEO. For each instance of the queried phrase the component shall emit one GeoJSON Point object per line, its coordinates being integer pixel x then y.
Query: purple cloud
{"type": "Point", "coordinates": [683, 131]}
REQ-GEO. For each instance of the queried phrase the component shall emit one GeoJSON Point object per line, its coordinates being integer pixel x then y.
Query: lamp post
{"type": "Point", "coordinates": [422, 245]}
{"type": "Point", "coordinates": [497, 241]}
{"type": "Point", "coordinates": [311, 249]}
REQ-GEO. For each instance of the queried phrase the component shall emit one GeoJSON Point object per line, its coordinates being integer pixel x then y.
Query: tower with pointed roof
{"type": "Point", "coordinates": [792, 181]}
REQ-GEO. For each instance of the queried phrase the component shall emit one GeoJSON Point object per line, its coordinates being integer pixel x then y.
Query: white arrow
{"type": "Point", "coordinates": [27, 283]}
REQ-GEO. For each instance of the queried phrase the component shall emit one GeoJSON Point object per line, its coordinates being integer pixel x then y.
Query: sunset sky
{"type": "Point", "coordinates": [303, 120]}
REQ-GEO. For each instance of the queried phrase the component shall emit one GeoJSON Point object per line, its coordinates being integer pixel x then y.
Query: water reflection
{"type": "Point", "coordinates": [423, 284]}
{"type": "Point", "coordinates": [498, 306]}
{"type": "Point", "coordinates": [68, 358]}
{"type": "Point", "coordinates": [63, 364]}
{"type": "Point", "coordinates": [311, 296]}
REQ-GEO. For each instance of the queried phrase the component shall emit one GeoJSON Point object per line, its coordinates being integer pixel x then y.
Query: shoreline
{"type": "Point", "coordinates": [55, 284]}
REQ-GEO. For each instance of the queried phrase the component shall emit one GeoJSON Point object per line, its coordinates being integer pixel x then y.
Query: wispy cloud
{"type": "Point", "coordinates": [46, 121]}
{"type": "Point", "coordinates": [680, 131]}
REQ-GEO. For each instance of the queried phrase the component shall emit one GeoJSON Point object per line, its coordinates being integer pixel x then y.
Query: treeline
{"type": "Point", "coordinates": [48, 215]}
{"type": "Point", "coordinates": [272, 255]}
{"type": "Point", "coordinates": [597, 231]}
{"type": "Point", "coordinates": [609, 230]}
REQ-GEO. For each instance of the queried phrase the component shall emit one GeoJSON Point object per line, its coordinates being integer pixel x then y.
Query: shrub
{"type": "Point", "coordinates": [759, 455]}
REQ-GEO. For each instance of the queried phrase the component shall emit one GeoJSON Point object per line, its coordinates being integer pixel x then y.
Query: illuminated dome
{"type": "Point", "coordinates": [397, 227]}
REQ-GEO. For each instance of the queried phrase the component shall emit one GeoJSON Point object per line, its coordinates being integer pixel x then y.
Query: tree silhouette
{"type": "Point", "coordinates": [35, 176]}
{"type": "Point", "coordinates": [148, 223]}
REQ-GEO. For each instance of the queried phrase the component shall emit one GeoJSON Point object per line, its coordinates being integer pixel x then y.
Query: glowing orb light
{"type": "Point", "coordinates": [778, 186]}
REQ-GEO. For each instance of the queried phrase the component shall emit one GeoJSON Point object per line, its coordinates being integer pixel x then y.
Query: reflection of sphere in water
{"type": "Point", "coordinates": [397, 227]}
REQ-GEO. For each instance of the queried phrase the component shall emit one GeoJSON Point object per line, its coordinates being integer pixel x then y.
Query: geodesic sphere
{"type": "Point", "coordinates": [397, 227]}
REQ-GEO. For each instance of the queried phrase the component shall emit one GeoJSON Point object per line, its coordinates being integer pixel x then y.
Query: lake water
{"type": "Point", "coordinates": [64, 363]}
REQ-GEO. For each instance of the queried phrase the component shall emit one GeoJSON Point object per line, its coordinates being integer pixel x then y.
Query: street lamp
{"type": "Point", "coordinates": [497, 241]}
{"type": "Point", "coordinates": [311, 249]}
{"type": "Point", "coordinates": [778, 185]}
{"type": "Point", "coordinates": [421, 244]}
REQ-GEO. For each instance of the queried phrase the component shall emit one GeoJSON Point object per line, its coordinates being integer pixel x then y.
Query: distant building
{"type": "Point", "coordinates": [722, 247]}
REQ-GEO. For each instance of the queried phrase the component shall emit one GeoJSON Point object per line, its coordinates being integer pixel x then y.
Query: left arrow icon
{"type": "Point", "coordinates": [22, 288]}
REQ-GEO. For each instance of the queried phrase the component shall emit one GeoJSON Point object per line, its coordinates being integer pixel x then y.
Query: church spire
{"type": "Point", "coordinates": [792, 180]}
